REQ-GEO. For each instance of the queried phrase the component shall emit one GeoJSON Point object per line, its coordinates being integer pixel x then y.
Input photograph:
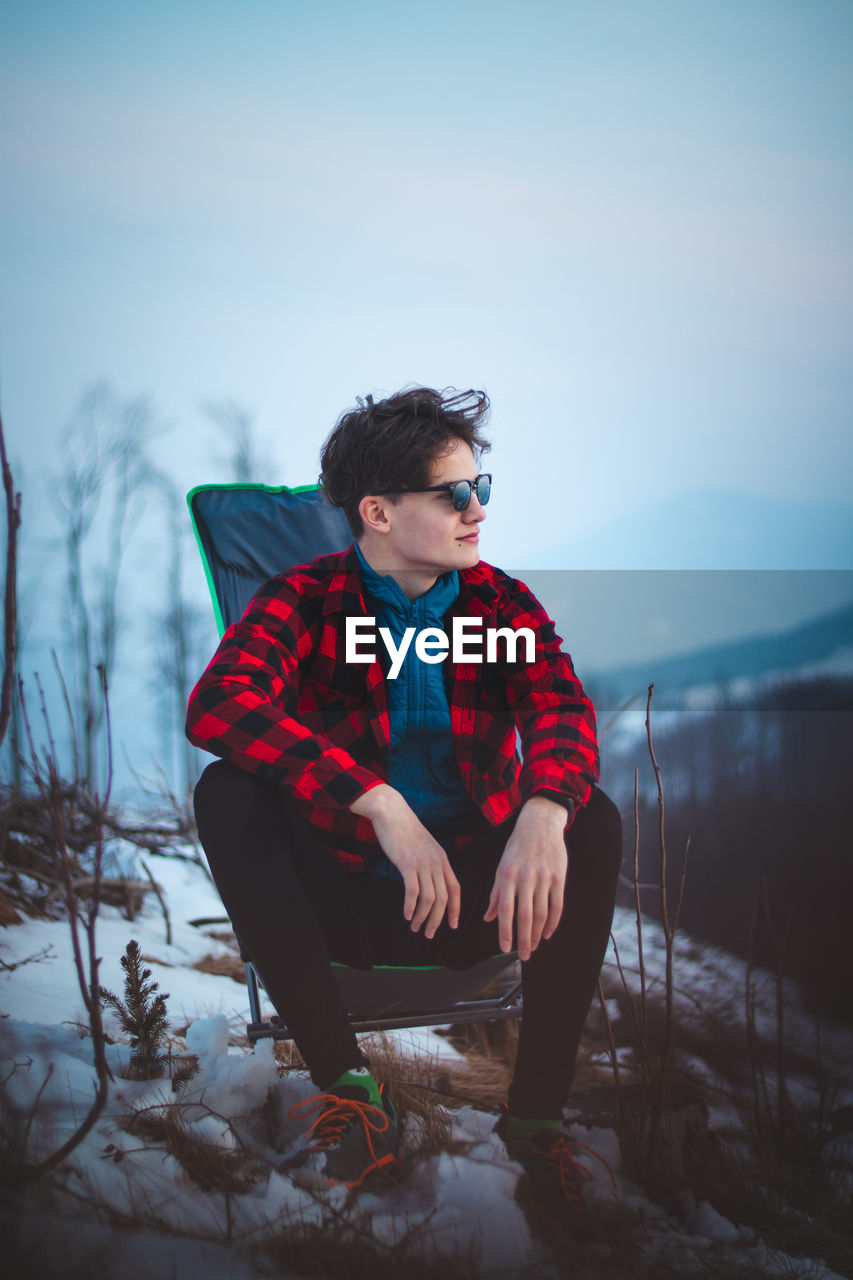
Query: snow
{"type": "Point", "coordinates": [153, 1220]}
{"type": "Point", "coordinates": [703, 1220]}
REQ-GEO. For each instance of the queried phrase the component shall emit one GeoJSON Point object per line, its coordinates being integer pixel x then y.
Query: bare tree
{"type": "Point", "coordinates": [130, 471]}
{"type": "Point", "coordinates": [104, 471]}
{"type": "Point", "coordinates": [246, 462]}
{"type": "Point", "coordinates": [178, 631]}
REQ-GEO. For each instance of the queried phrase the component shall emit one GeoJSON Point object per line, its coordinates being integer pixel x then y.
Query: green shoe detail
{"type": "Point", "coordinates": [361, 1080]}
{"type": "Point", "coordinates": [521, 1126]}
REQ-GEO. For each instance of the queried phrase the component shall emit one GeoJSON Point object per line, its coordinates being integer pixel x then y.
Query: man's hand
{"type": "Point", "coordinates": [428, 879]}
{"type": "Point", "coordinates": [531, 874]}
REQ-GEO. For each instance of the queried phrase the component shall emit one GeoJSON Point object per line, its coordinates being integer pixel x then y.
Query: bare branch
{"type": "Point", "coordinates": [35, 958]}
{"type": "Point", "coordinates": [158, 891]}
{"type": "Point", "coordinates": [51, 792]}
{"type": "Point", "coordinates": [236, 425]}
{"type": "Point", "coordinates": [639, 911]}
{"type": "Point", "coordinates": [67, 701]}
{"type": "Point", "coordinates": [10, 610]}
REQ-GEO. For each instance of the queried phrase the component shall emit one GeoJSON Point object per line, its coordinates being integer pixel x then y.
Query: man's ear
{"type": "Point", "coordinates": [374, 513]}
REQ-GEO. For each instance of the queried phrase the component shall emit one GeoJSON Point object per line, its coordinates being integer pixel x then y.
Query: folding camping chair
{"type": "Point", "coordinates": [246, 534]}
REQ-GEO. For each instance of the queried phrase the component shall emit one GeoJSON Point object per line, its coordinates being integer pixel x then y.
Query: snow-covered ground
{"type": "Point", "coordinates": [151, 1220]}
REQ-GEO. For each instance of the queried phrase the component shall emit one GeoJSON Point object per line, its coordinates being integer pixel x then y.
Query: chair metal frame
{"type": "Point", "coordinates": [498, 1008]}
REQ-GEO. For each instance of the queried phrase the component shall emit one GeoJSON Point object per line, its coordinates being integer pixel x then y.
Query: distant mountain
{"type": "Point", "coordinates": [715, 529]}
{"type": "Point", "coordinates": [813, 642]}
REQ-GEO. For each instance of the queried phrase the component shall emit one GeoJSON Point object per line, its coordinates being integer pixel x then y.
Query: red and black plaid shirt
{"type": "Point", "coordinates": [279, 699]}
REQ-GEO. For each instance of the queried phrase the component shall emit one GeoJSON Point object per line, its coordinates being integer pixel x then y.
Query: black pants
{"type": "Point", "coordinates": [295, 909]}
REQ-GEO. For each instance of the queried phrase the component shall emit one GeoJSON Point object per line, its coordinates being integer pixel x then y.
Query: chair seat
{"type": "Point", "coordinates": [386, 990]}
{"type": "Point", "coordinates": [387, 998]}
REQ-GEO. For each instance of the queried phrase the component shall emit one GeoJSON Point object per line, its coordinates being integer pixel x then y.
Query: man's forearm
{"type": "Point", "coordinates": [379, 802]}
{"type": "Point", "coordinates": [545, 811]}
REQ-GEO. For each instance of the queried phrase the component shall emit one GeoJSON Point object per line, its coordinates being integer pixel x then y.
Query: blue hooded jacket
{"type": "Point", "coordinates": [422, 758]}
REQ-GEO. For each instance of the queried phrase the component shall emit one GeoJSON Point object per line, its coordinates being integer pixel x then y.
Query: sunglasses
{"type": "Point", "coordinates": [460, 491]}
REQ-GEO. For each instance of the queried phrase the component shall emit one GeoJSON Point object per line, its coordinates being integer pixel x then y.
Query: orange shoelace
{"type": "Point", "coordinates": [571, 1172]}
{"type": "Point", "coordinates": [337, 1115]}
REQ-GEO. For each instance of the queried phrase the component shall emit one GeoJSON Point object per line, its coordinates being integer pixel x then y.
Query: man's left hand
{"type": "Point", "coordinates": [531, 877]}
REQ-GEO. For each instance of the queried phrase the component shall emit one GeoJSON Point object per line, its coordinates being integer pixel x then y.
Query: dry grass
{"type": "Point", "coordinates": [8, 914]}
{"type": "Point", "coordinates": [498, 1040]}
{"type": "Point", "coordinates": [344, 1249]}
{"type": "Point", "coordinates": [224, 966]}
{"type": "Point", "coordinates": [227, 936]}
{"type": "Point", "coordinates": [480, 1082]}
{"type": "Point", "coordinates": [802, 1217]}
{"type": "Point", "coordinates": [483, 1079]}
{"type": "Point", "coordinates": [210, 1166]}
{"type": "Point", "coordinates": [410, 1077]}
{"type": "Point", "coordinates": [288, 1056]}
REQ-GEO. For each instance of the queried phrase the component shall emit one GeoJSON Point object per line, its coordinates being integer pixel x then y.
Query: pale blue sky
{"type": "Point", "coordinates": [631, 222]}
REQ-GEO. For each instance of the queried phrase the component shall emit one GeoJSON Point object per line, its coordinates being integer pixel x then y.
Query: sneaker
{"type": "Point", "coordinates": [356, 1137]}
{"type": "Point", "coordinates": [550, 1192]}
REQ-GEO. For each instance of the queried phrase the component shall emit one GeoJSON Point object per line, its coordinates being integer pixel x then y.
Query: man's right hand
{"type": "Point", "coordinates": [428, 879]}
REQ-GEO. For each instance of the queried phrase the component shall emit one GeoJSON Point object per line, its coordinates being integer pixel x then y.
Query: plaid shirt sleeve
{"type": "Point", "coordinates": [238, 708]}
{"type": "Point", "coordinates": [554, 717]}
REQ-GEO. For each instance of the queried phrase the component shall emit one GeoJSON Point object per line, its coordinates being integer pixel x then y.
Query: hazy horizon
{"type": "Point", "coordinates": [632, 226]}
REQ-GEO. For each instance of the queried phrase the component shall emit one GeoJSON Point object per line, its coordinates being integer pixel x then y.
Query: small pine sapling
{"type": "Point", "coordinates": [142, 1014]}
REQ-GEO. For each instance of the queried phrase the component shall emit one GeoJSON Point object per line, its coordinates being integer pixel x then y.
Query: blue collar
{"type": "Point", "coordinates": [384, 589]}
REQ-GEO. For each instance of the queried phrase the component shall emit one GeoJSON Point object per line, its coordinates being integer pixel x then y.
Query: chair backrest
{"type": "Point", "coordinates": [249, 532]}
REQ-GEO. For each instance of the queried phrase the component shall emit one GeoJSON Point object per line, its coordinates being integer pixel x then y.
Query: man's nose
{"type": "Point", "coordinates": [475, 511]}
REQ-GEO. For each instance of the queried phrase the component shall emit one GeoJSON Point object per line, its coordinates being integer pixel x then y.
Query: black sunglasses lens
{"type": "Point", "coordinates": [462, 490]}
{"type": "Point", "coordinates": [461, 495]}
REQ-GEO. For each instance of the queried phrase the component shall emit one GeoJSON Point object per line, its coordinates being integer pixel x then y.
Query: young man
{"type": "Point", "coordinates": [379, 811]}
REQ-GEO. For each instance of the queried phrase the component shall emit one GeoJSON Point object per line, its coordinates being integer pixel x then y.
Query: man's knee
{"type": "Point", "coordinates": [596, 832]}
{"type": "Point", "coordinates": [608, 819]}
{"type": "Point", "coordinates": [222, 793]}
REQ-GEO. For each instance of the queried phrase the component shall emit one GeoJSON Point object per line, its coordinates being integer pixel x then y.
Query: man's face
{"type": "Point", "coordinates": [427, 535]}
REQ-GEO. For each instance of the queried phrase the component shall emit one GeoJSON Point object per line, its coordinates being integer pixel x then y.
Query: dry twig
{"type": "Point", "coordinates": [10, 611]}
{"type": "Point", "coordinates": [47, 779]}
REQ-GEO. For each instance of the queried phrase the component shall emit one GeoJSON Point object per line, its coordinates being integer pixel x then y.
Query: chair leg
{"type": "Point", "coordinates": [492, 1009]}
{"type": "Point", "coordinates": [254, 996]}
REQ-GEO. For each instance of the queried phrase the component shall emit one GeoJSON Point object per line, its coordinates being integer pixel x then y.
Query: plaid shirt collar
{"type": "Point", "coordinates": [345, 594]}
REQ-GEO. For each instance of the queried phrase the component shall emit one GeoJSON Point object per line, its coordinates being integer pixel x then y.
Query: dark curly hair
{"type": "Point", "coordinates": [390, 445]}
